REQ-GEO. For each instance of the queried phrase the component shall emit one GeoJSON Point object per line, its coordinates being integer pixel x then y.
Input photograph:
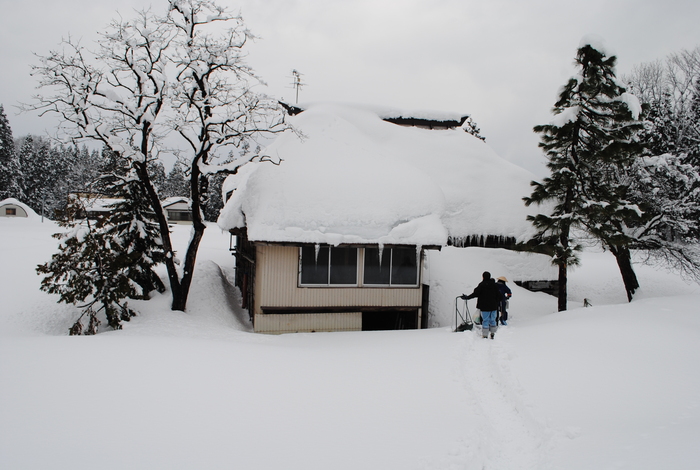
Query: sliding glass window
{"type": "Point", "coordinates": [324, 265]}
{"type": "Point", "coordinates": [391, 266]}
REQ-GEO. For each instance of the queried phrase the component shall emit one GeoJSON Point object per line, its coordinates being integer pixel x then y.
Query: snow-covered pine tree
{"type": "Point", "coordinates": [668, 191]}
{"type": "Point", "coordinates": [157, 172]}
{"type": "Point", "coordinates": [660, 134]}
{"type": "Point", "coordinates": [176, 183]}
{"type": "Point", "coordinates": [670, 90]}
{"type": "Point", "coordinates": [102, 262]}
{"type": "Point", "coordinates": [589, 144]}
{"type": "Point", "coordinates": [135, 233]}
{"type": "Point", "coordinates": [9, 166]}
{"type": "Point", "coordinates": [693, 134]}
{"type": "Point", "coordinates": [46, 172]}
{"type": "Point", "coordinates": [86, 168]}
{"type": "Point", "coordinates": [85, 272]}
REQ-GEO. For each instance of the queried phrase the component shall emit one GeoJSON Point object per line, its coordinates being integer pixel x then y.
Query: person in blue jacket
{"type": "Point", "coordinates": [488, 297]}
{"type": "Point", "coordinates": [505, 295]}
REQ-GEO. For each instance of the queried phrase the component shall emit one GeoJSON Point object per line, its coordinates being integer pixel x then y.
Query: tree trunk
{"type": "Point", "coordinates": [174, 279]}
{"type": "Point", "coordinates": [563, 261]}
{"type": "Point", "coordinates": [562, 294]}
{"type": "Point", "coordinates": [624, 262]}
{"type": "Point", "coordinates": [180, 300]}
{"type": "Point", "coordinates": [196, 180]}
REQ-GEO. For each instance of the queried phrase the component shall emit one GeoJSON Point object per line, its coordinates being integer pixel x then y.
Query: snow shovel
{"type": "Point", "coordinates": [463, 321]}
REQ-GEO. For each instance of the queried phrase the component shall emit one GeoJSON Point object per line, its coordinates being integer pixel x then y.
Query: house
{"type": "Point", "coordinates": [178, 210]}
{"type": "Point", "coordinates": [11, 207]}
{"type": "Point", "coordinates": [334, 237]}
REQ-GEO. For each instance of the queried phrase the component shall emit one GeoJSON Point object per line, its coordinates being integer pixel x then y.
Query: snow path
{"type": "Point", "coordinates": [505, 433]}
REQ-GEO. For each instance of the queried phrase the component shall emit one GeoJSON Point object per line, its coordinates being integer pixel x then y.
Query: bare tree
{"type": "Point", "coordinates": [671, 92]}
{"type": "Point", "coordinates": [179, 75]}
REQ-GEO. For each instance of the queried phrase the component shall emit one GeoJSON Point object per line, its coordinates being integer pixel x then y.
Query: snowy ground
{"type": "Point", "coordinates": [615, 386]}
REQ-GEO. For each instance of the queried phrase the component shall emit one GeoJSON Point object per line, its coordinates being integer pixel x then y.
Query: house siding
{"type": "Point", "coordinates": [316, 322]}
{"type": "Point", "coordinates": [277, 286]}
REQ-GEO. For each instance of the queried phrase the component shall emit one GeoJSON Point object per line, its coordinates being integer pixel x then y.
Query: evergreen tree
{"type": "Point", "coordinates": [660, 134]}
{"type": "Point", "coordinates": [589, 144]}
{"type": "Point", "coordinates": [87, 167]}
{"type": "Point", "coordinates": [44, 178]}
{"type": "Point", "coordinates": [101, 263]}
{"type": "Point", "coordinates": [82, 272]}
{"type": "Point", "coordinates": [157, 172]}
{"type": "Point", "coordinates": [692, 143]}
{"type": "Point", "coordinates": [668, 191]}
{"type": "Point", "coordinates": [670, 92]}
{"type": "Point", "coordinates": [176, 183]}
{"type": "Point", "coordinates": [135, 233]}
{"type": "Point", "coordinates": [214, 202]}
{"type": "Point", "coordinates": [9, 166]}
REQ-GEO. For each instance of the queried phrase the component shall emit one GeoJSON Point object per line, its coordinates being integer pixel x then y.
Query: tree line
{"type": "Point", "coordinates": [42, 173]}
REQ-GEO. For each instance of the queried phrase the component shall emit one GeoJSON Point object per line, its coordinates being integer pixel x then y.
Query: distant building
{"type": "Point", "coordinates": [13, 208]}
{"type": "Point", "coordinates": [178, 210]}
{"type": "Point", "coordinates": [333, 238]}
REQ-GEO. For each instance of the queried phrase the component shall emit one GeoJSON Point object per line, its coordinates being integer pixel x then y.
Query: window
{"type": "Point", "coordinates": [326, 265]}
{"type": "Point", "coordinates": [393, 266]}
{"type": "Point", "coordinates": [10, 211]}
{"type": "Point", "coordinates": [338, 266]}
{"type": "Point", "coordinates": [180, 215]}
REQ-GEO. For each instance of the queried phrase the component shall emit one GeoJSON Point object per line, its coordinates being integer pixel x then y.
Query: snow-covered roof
{"type": "Point", "coordinates": [100, 204]}
{"type": "Point", "coordinates": [354, 178]}
{"type": "Point", "coordinates": [173, 200]}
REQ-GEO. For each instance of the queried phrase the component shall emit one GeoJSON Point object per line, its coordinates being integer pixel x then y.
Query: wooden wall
{"type": "Point", "coordinates": [277, 286]}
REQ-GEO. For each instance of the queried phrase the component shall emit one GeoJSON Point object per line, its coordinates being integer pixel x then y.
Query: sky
{"type": "Point", "coordinates": [501, 61]}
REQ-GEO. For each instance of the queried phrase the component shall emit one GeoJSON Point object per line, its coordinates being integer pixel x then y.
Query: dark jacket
{"type": "Point", "coordinates": [488, 295]}
{"type": "Point", "coordinates": [505, 290]}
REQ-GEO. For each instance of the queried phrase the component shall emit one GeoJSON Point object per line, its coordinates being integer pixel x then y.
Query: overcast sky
{"type": "Point", "coordinates": [501, 61]}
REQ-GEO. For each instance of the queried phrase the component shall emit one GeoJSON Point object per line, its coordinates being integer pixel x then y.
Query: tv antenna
{"type": "Point", "coordinates": [297, 83]}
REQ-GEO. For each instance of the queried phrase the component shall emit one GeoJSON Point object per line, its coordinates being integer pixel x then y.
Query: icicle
{"type": "Point", "coordinates": [381, 251]}
{"type": "Point", "coordinates": [317, 248]}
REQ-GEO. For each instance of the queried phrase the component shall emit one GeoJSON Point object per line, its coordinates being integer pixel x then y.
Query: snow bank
{"type": "Point", "coordinates": [354, 178]}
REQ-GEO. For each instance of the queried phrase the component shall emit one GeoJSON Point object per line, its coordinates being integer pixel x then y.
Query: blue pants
{"type": "Point", "coordinates": [488, 322]}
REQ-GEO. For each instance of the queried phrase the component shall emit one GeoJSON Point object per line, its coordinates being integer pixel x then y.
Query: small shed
{"type": "Point", "coordinates": [178, 210]}
{"type": "Point", "coordinates": [11, 207]}
{"type": "Point", "coordinates": [333, 238]}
